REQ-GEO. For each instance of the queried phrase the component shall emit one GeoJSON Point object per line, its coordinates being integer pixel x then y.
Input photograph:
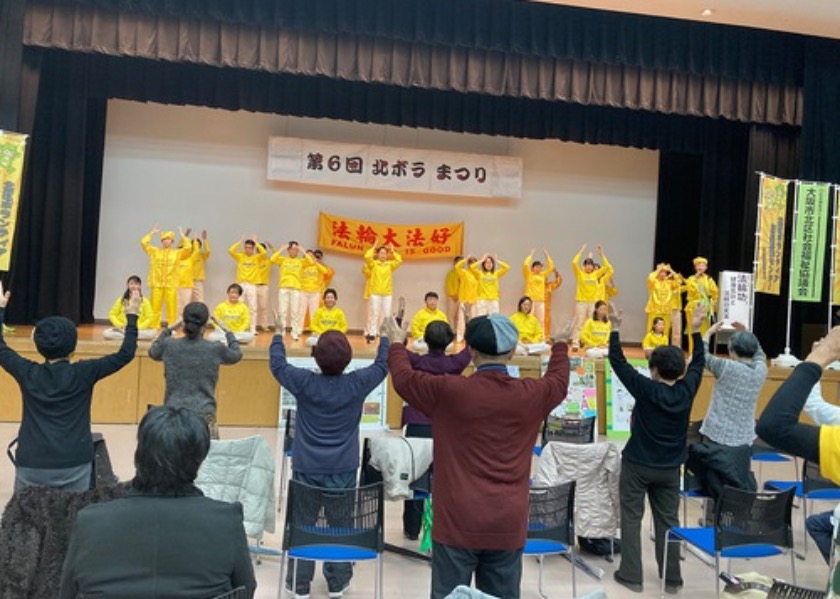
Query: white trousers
{"type": "Point", "coordinates": [538, 310]}
{"type": "Point", "coordinates": [311, 300]}
{"type": "Point", "coordinates": [243, 338]}
{"type": "Point", "coordinates": [290, 309]}
{"type": "Point", "coordinates": [197, 291]}
{"type": "Point", "coordinates": [115, 334]}
{"type": "Point", "coordinates": [184, 298]}
{"type": "Point", "coordinates": [379, 306]}
{"type": "Point", "coordinates": [583, 310]}
{"type": "Point", "coordinates": [249, 298]}
{"type": "Point", "coordinates": [263, 306]}
{"type": "Point", "coordinates": [485, 307]}
{"type": "Point", "coordinates": [461, 324]}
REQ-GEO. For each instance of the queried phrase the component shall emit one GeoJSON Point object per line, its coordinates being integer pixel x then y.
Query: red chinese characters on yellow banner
{"type": "Point", "coordinates": [413, 242]}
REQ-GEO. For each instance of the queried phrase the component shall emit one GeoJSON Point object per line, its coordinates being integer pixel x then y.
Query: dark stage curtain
{"type": "Point", "coordinates": [410, 64]}
{"type": "Point", "coordinates": [54, 260]}
{"type": "Point", "coordinates": [11, 38]}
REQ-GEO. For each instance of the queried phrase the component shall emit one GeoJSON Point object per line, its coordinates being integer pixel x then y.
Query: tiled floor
{"type": "Point", "coordinates": [409, 579]}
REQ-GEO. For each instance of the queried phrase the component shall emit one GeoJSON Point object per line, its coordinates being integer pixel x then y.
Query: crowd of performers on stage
{"type": "Point", "coordinates": [471, 288]}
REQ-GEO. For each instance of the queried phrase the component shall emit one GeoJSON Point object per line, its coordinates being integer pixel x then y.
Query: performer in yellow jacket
{"type": "Point", "coordinates": [550, 287]}
{"type": "Point", "coordinates": [588, 288]}
{"type": "Point", "coordinates": [488, 270]}
{"type": "Point", "coordinates": [662, 286]}
{"type": "Point", "coordinates": [595, 334]}
{"type": "Point", "coordinates": [452, 283]}
{"type": "Point", "coordinates": [248, 263]}
{"type": "Point", "coordinates": [467, 295]}
{"type": "Point", "coordinates": [312, 285]}
{"type": "Point", "coordinates": [199, 262]}
{"type": "Point", "coordinates": [234, 314]}
{"type": "Point", "coordinates": [676, 311]}
{"type": "Point", "coordinates": [263, 318]}
{"type": "Point", "coordinates": [186, 268]}
{"type": "Point", "coordinates": [328, 317]}
{"type": "Point", "coordinates": [381, 285]}
{"type": "Point", "coordinates": [535, 274]}
{"type": "Point", "coordinates": [422, 318]}
{"type": "Point", "coordinates": [531, 335]}
{"type": "Point", "coordinates": [290, 298]}
{"type": "Point", "coordinates": [655, 337]}
{"type": "Point", "coordinates": [700, 290]}
{"type": "Point", "coordinates": [145, 319]}
{"type": "Point", "coordinates": [163, 272]}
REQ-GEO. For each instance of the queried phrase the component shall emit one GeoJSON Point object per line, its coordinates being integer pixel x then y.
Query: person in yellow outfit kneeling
{"type": "Point", "coordinates": [145, 319]}
{"type": "Point", "coordinates": [235, 315]}
{"type": "Point", "coordinates": [422, 318]}
{"type": "Point", "coordinates": [530, 329]}
{"type": "Point", "coordinates": [327, 318]}
{"type": "Point", "coordinates": [655, 337]}
{"type": "Point", "coordinates": [595, 335]}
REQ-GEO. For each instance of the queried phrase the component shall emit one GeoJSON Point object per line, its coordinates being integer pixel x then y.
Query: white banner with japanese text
{"type": "Point", "coordinates": [389, 168]}
{"type": "Point", "coordinates": [735, 295]}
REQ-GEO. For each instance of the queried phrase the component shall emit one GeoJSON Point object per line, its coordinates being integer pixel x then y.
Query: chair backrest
{"type": "Point", "coordinates": [347, 517]}
{"type": "Point", "coordinates": [551, 512]}
{"type": "Point", "coordinates": [237, 593]}
{"type": "Point", "coordinates": [290, 416]}
{"type": "Point", "coordinates": [812, 480]}
{"type": "Point", "coordinates": [753, 517]}
{"type": "Point", "coordinates": [567, 429]}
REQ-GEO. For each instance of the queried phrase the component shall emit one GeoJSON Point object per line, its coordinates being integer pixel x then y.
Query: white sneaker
{"type": "Point", "coordinates": [339, 594]}
{"type": "Point", "coordinates": [295, 337]}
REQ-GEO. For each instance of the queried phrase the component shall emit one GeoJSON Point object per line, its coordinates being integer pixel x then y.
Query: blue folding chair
{"type": "Point", "coordinates": [551, 529]}
{"type": "Point", "coordinates": [333, 525]}
{"type": "Point", "coordinates": [748, 525]}
{"type": "Point", "coordinates": [290, 421]}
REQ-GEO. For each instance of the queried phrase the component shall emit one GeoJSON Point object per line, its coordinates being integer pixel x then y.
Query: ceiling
{"type": "Point", "coordinates": [810, 17]}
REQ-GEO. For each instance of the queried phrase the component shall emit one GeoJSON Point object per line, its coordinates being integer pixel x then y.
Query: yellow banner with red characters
{"type": "Point", "coordinates": [12, 148]}
{"type": "Point", "coordinates": [413, 242]}
{"type": "Point", "coordinates": [772, 202]}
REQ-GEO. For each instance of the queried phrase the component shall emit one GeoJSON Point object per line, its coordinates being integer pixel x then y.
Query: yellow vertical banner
{"type": "Point", "coordinates": [12, 149]}
{"type": "Point", "coordinates": [771, 234]}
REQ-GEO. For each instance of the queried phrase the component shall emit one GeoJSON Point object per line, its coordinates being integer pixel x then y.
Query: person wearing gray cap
{"type": "Point", "coordinates": [484, 427]}
{"type": "Point", "coordinates": [55, 447]}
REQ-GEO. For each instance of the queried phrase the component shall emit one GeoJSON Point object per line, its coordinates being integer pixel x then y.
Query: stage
{"type": "Point", "coordinates": [248, 394]}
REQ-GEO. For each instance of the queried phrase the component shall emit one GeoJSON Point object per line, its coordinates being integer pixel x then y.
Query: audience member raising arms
{"type": "Point", "coordinates": [488, 270]}
{"type": "Point", "coordinates": [165, 539]}
{"type": "Point", "coordinates": [191, 363]}
{"type": "Point", "coordinates": [55, 447]}
{"type": "Point", "coordinates": [145, 319]}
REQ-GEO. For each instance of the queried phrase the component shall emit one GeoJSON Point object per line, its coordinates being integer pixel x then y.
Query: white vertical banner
{"type": "Point", "coordinates": [735, 299]}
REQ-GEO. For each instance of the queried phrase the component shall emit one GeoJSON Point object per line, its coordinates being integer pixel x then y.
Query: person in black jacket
{"type": "Point", "coordinates": [165, 539]}
{"type": "Point", "coordinates": [55, 447]}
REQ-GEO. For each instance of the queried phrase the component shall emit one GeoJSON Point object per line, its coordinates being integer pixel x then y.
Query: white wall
{"type": "Point", "coordinates": [206, 168]}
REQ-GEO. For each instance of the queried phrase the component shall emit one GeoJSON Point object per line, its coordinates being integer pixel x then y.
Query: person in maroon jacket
{"type": "Point", "coordinates": [484, 427]}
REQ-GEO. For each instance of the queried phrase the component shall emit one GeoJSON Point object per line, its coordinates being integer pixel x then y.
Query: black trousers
{"type": "Point", "coordinates": [413, 508]}
{"type": "Point", "coordinates": [497, 573]}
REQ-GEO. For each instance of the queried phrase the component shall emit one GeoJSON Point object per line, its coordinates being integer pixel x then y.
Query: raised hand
{"type": "Point", "coordinates": [393, 331]}
{"type": "Point", "coordinates": [600, 249]}
{"type": "Point", "coordinates": [132, 304]}
{"type": "Point", "coordinates": [561, 333]}
{"type": "Point", "coordinates": [582, 249]}
{"type": "Point", "coordinates": [155, 229]}
{"type": "Point", "coordinates": [616, 317]}
{"type": "Point", "coordinates": [4, 296]}
{"type": "Point", "coordinates": [204, 234]}
{"type": "Point", "coordinates": [698, 317]}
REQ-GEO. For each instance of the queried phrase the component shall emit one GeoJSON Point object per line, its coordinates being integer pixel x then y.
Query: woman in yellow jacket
{"type": "Point", "coordinates": [327, 318]}
{"type": "Point", "coordinates": [700, 290]}
{"type": "Point", "coordinates": [248, 272]}
{"type": "Point", "coordinates": [595, 334]}
{"type": "Point", "coordinates": [381, 285]}
{"type": "Point", "coordinates": [655, 337]}
{"type": "Point", "coordinates": [588, 288]}
{"type": "Point", "coordinates": [234, 314]}
{"type": "Point", "coordinates": [467, 295]}
{"type": "Point", "coordinates": [531, 335]}
{"type": "Point", "coordinates": [199, 262]}
{"type": "Point", "coordinates": [451, 285]}
{"type": "Point", "coordinates": [551, 287]}
{"type": "Point", "coordinates": [311, 286]}
{"type": "Point", "coordinates": [488, 270]}
{"type": "Point", "coordinates": [145, 319]}
{"type": "Point", "coordinates": [163, 272]}
{"type": "Point", "coordinates": [186, 268]}
{"type": "Point", "coordinates": [662, 287]}
{"type": "Point", "coordinates": [535, 274]}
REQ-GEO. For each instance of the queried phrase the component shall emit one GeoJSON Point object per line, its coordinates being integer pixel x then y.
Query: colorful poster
{"type": "Point", "coordinates": [619, 401]}
{"type": "Point", "coordinates": [772, 207]}
{"type": "Point", "coordinates": [413, 242]}
{"type": "Point", "coordinates": [365, 166]}
{"type": "Point", "coordinates": [12, 151]}
{"type": "Point", "coordinates": [811, 220]}
{"type": "Point", "coordinates": [373, 410]}
{"type": "Point", "coordinates": [581, 396]}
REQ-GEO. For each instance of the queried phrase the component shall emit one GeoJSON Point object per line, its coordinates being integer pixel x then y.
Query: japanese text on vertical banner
{"type": "Point", "coordinates": [771, 235]}
{"type": "Point", "coordinates": [735, 296]}
{"type": "Point", "coordinates": [12, 149]}
{"type": "Point", "coordinates": [809, 249]}
{"type": "Point", "coordinates": [835, 286]}
{"type": "Point", "coordinates": [390, 168]}
{"type": "Point", "coordinates": [352, 236]}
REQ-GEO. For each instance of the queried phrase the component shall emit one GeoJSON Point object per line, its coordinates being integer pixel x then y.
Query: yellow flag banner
{"type": "Point", "coordinates": [413, 242]}
{"type": "Point", "coordinates": [12, 148]}
{"type": "Point", "coordinates": [771, 234]}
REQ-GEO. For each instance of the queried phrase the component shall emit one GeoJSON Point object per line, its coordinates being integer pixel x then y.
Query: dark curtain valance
{"type": "Point", "coordinates": [509, 26]}
{"type": "Point", "coordinates": [413, 65]}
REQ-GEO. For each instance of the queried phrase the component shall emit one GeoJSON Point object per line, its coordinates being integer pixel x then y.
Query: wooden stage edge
{"type": "Point", "coordinates": [248, 395]}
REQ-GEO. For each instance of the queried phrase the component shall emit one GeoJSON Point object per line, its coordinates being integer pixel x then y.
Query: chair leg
{"type": "Point", "coordinates": [717, 574]}
{"type": "Point", "coordinates": [379, 577]}
{"type": "Point", "coordinates": [574, 567]}
{"type": "Point", "coordinates": [282, 584]}
{"type": "Point", "coordinates": [804, 525]}
{"type": "Point", "coordinates": [664, 563]}
{"type": "Point", "coordinates": [540, 560]}
{"type": "Point", "coordinates": [793, 564]}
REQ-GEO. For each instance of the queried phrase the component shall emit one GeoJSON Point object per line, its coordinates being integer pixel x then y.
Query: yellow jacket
{"type": "Point", "coordinates": [588, 284]}
{"type": "Point", "coordinates": [422, 318]}
{"type": "Point", "coordinates": [467, 284]}
{"type": "Point", "coordinates": [366, 273]}
{"type": "Point", "coordinates": [326, 278]}
{"type": "Point", "coordinates": [312, 277]}
{"type": "Point", "coordinates": [291, 269]}
{"type": "Point", "coordinates": [550, 287]}
{"type": "Point", "coordinates": [530, 330]}
{"type": "Point", "coordinates": [145, 320]}
{"type": "Point", "coordinates": [264, 266]}
{"type": "Point", "coordinates": [488, 282]}
{"type": "Point", "coordinates": [595, 333]}
{"type": "Point", "coordinates": [701, 290]}
{"type": "Point", "coordinates": [535, 283]}
{"type": "Point", "coordinates": [199, 259]}
{"type": "Point", "coordinates": [452, 282]}
{"type": "Point", "coordinates": [661, 294]}
{"type": "Point", "coordinates": [652, 340]}
{"type": "Point", "coordinates": [163, 262]}
{"type": "Point", "coordinates": [328, 320]}
{"type": "Point", "coordinates": [247, 267]}
{"type": "Point", "coordinates": [187, 265]}
{"type": "Point", "coordinates": [381, 273]}
{"type": "Point", "coordinates": [235, 316]}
